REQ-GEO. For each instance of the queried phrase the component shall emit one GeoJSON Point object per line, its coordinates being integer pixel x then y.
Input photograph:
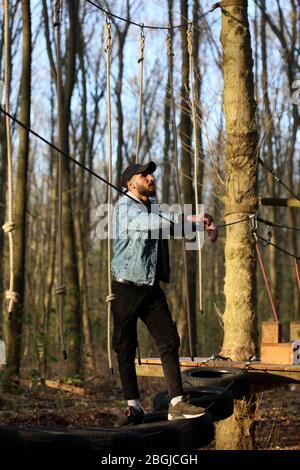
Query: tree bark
{"type": "Point", "coordinates": [82, 229]}
{"type": "Point", "coordinates": [167, 122]}
{"type": "Point", "coordinates": [73, 317]}
{"type": "Point", "coordinates": [269, 129]}
{"type": "Point", "coordinates": [3, 180]}
{"type": "Point", "coordinates": [186, 145]}
{"type": "Point", "coordinates": [240, 334]}
{"type": "Point", "coordinates": [15, 324]}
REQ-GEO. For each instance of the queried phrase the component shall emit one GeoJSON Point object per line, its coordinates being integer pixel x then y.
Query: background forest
{"type": "Point", "coordinates": [275, 34]}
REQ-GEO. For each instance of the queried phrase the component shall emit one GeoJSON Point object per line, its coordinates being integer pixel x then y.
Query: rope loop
{"type": "Point", "coordinates": [189, 38]}
{"type": "Point", "coordinates": [9, 227]}
{"type": "Point", "coordinates": [110, 297]}
{"type": "Point", "coordinates": [169, 43]}
{"type": "Point", "coordinates": [61, 289]}
{"type": "Point", "coordinates": [108, 36]}
{"type": "Point", "coordinates": [142, 44]}
{"type": "Point", "coordinates": [12, 296]}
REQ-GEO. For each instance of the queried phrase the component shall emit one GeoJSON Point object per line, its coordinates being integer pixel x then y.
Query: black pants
{"type": "Point", "coordinates": [149, 304]}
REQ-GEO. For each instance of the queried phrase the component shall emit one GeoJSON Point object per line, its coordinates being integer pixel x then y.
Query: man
{"type": "Point", "coordinates": [140, 262]}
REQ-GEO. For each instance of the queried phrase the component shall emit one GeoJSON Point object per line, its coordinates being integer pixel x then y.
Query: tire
{"type": "Point", "coordinates": [79, 442]}
{"type": "Point", "coordinates": [235, 380]}
{"type": "Point", "coordinates": [191, 433]}
{"type": "Point", "coordinates": [217, 400]}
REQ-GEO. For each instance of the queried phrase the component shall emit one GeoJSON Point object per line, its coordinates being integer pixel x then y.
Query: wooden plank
{"type": "Point", "coordinates": [199, 362]}
{"type": "Point", "coordinates": [281, 353]}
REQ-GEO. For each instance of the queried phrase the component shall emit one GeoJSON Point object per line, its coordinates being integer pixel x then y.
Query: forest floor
{"type": "Point", "coordinates": [101, 405]}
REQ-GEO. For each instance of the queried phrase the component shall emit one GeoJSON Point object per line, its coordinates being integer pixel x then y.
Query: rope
{"type": "Point", "coordinates": [139, 126]}
{"type": "Point", "coordinates": [273, 224]}
{"type": "Point", "coordinates": [272, 172]}
{"type": "Point", "coordinates": [9, 226]}
{"type": "Point", "coordinates": [194, 119]}
{"type": "Point", "coordinates": [267, 242]}
{"type": "Point", "coordinates": [234, 223]}
{"type": "Point", "coordinates": [96, 175]}
{"type": "Point", "coordinates": [182, 25]}
{"type": "Point", "coordinates": [110, 297]}
{"type": "Point", "coordinates": [141, 62]}
{"type": "Point", "coordinates": [265, 277]}
{"type": "Point", "coordinates": [60, 289]}
{"type": "Point", "coordinates": [177, 185]}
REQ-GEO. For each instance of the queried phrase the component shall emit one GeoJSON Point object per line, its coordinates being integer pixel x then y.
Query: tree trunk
{"type": "Point", "coordinates": [197, 87]}
{"type": "Point", "coordinates": [15, 324]}
{"type": "Point", "coordinates": [240, 329]}
{"type": "Point", "coordinates": [269, 129]}
{"type": "Point", "coordinates": [3, 180]}
{"type": "Point", "coordinates": [186, 145]}
{"type": "Point", "coordinates": [51, 253]}
{"type": "Point", "coordinates": [167, 121]}
{"type": "Point", "coordinates": [81, 229]}
{"type": "Point", "coordinates": [73, 316]}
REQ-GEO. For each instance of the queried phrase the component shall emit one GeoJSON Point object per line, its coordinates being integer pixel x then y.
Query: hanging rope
{"type": "Point", "coordinates": [141, 62]}
{"type": "Point", "coordinates": [60, 289]}
{"type": "Point", "coordinates": [264, 272]}
{"type": "Point", "coordinates": [110, 297]}
{"type": "Point", "coordinates": [176, 164]}
{"type": "Point", "coordinates": [194, 119]}
{"type": "Point", "coordinates": [9, 226]}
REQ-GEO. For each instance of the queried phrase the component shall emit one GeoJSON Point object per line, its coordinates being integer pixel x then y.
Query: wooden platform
{"type": "Point", "coordinates": [263, 376]}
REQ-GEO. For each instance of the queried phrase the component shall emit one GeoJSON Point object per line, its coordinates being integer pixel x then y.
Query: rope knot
{"type": "Point", "coordinates": [9, 227]}
{"type": "Point", "coordinates": [170, 45]}
{"type": "Point", "coordinates": [110, 297]}
{"type": "Point", "coordinates": [60, 289]}
{"type": "Point", "coordinates": [142, 47]}
{"type": "Point", "coordinates": [108, 37]}
{"type": "Point", "coordinates": [189, 39]}
{"type": "Point", "coordinates": [57, 8]}
{"type": "Point", "coordinates": [12, 296]}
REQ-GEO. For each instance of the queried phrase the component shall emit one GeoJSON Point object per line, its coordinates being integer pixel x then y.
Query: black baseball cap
{"type": "Point", "coordinates": [136, 169]}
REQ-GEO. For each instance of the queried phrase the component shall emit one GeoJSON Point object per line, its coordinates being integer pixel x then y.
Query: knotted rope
{"type": "Point", "coordinates": [9, 226]}
{"type": "Point", "coordinates": [110, 297]}
{"type": "Point", "coordinates": [194, 119]}
{"type": "Point", "coordinates": [60, 289]}
{"type": "Point", "coordinates": [176, 164]}
{"type": "Point", "coordinates": [141, 62]}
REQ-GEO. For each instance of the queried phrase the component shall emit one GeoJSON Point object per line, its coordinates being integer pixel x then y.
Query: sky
{"type": "Point", "coordinates": [151, 12]}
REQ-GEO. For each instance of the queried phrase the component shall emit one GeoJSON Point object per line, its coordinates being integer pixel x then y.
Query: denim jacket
{"type": "Point", "coordinates": [137, 234]}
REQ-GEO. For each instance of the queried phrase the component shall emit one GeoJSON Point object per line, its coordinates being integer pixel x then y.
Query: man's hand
{"type": "Point", "coordinates": [209, 225]}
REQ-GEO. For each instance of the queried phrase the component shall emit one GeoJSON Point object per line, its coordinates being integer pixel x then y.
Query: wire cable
{"type": "Point", "coordinates": [182, 25]}
{"type": "Point", "coordinates": [279, 180]}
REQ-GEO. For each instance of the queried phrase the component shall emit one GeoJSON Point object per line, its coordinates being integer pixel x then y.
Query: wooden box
{"type": "Point", "coordinates": [271, 332]}
{"type": "Point", "coordinates": [294, 330]}
{"type": "Point", "coordinates": [282, 353]}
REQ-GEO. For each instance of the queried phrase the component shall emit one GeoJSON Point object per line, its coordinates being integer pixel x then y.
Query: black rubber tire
{"type": "Point", "coordinates": [193, 433]}
{"type": "Point", "coordinates": [163, 435]}
{"type": "Point", "coordinates": [79, 442]}
{"type": "Point", "coordinates": [218, 400]}
{"type": "Point", "coordinates": [236, 380]}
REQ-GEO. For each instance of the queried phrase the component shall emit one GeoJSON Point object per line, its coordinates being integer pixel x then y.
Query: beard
{"type": "Point", "coordinates": [146, 190]}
